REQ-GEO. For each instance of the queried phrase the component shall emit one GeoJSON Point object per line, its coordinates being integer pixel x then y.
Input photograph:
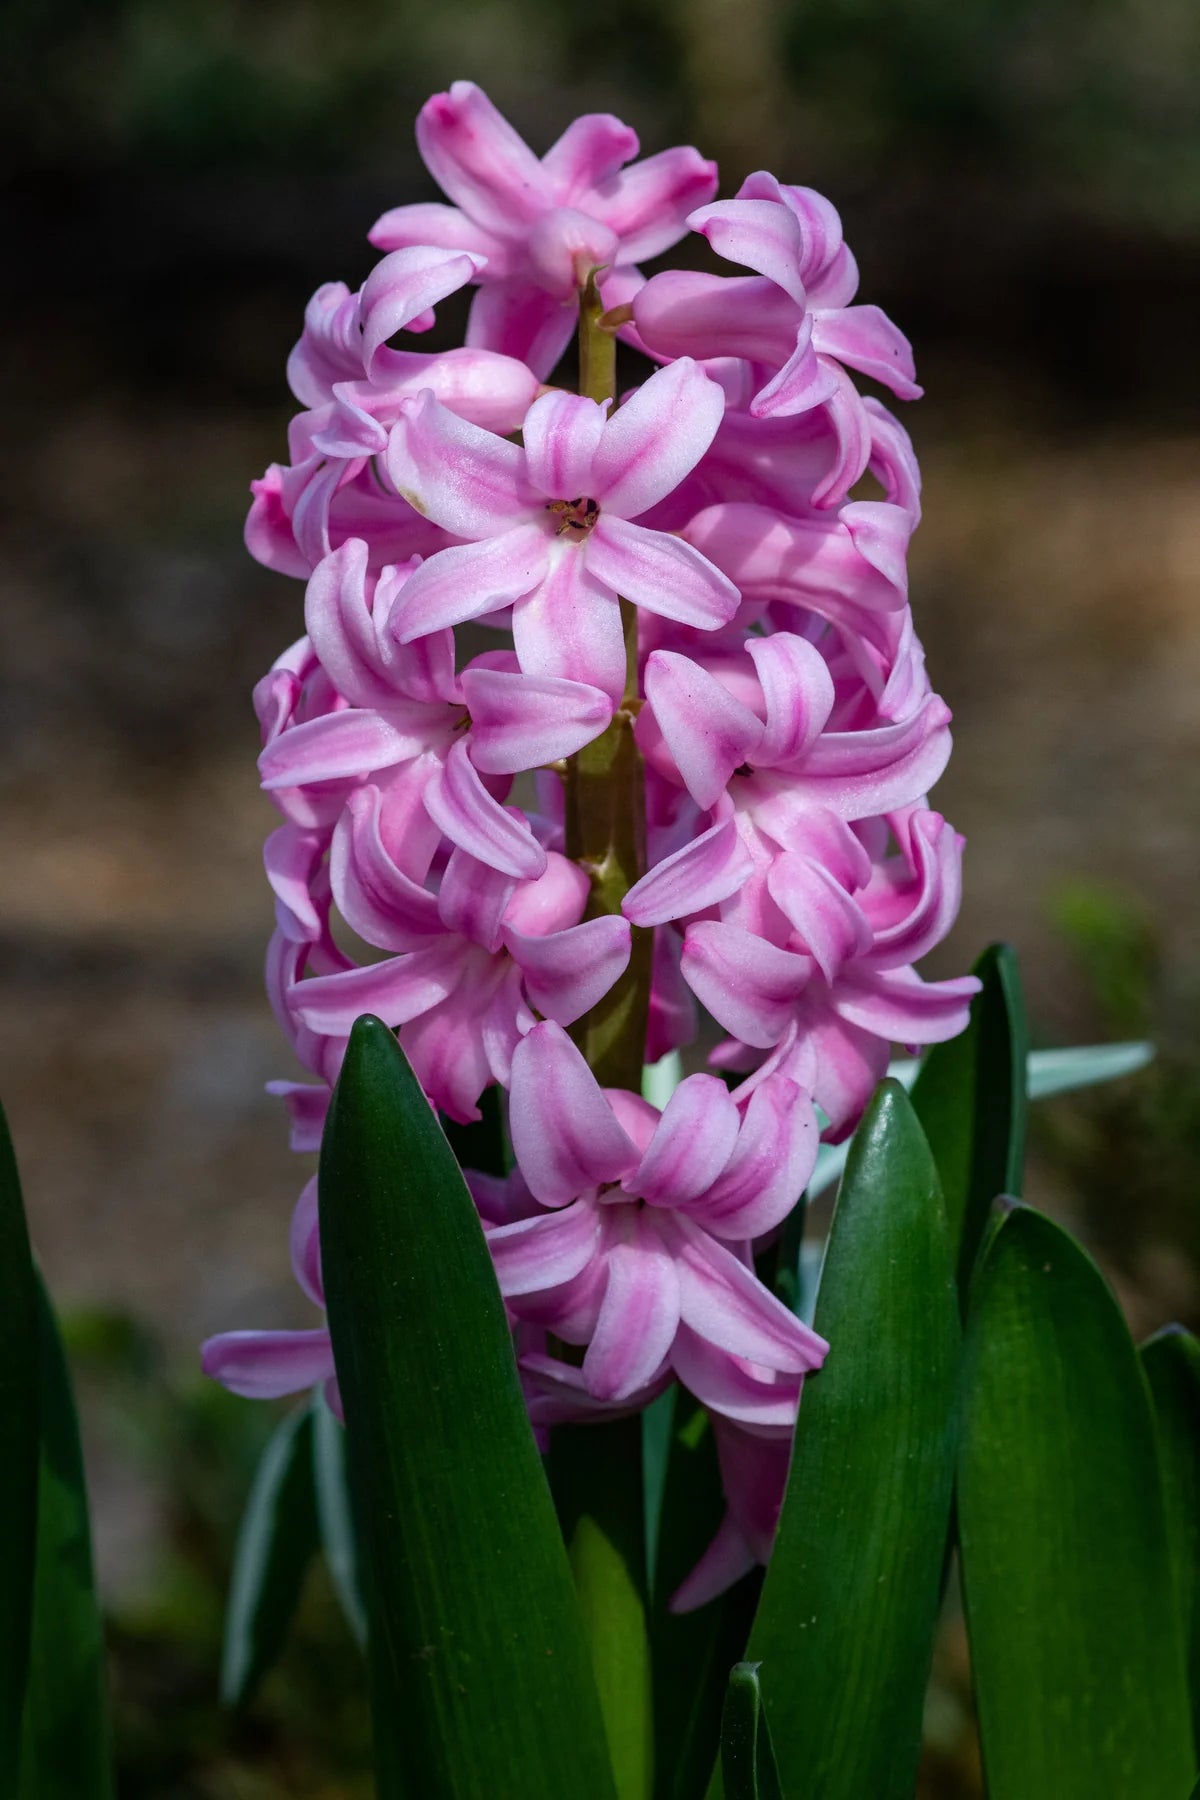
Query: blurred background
{"type": "Point", "coordinates": [1021, 184]}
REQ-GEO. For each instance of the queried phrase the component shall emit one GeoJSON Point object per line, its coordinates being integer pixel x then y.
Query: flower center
{"type": "Point", "coordinates": [576, 518]}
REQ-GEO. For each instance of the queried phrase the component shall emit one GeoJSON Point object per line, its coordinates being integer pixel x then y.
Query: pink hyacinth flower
{"type": "Point", "coordinates": [445, 740]}
{"type": "Point", "coordinates": [792, 319]}
{"type": "Point", "coordinates": [542, 226]}
{"type": "Point", "coordinates": [551, 522]}
{"type": "Point", "coordinates": [641, 1253]}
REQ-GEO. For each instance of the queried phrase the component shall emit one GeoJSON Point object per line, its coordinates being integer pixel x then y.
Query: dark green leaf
{"type": "Point", "coordinates": [596, 1477]}
{"type": "Point", "coordinates": [692, 1652]}
{"type": "Point", "coordinates": [1076, 1643]}
{"type": "Point", "coordinates": [846, 1620]}
{"type": "Point", "coordinates": [970, 1096]}
{"type": "Point", "coordinates": [276, 1543]}
{"type": "Point", "coordinates": [65, 1754]}
{"type": "Point", "coordinates": [19, 1380]}
{"type": "Point", "coordinates": [335, 1516]}
{"type": "Point", "coordinates": [747, 1759]}
{"type": "Point", "coordinates": [482, 1679]}
{"type": "Point", "coordinates": [1171, 1361]}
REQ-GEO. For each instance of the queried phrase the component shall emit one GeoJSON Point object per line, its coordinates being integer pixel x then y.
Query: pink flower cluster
{"type": "Point", "coordinates": [794, 871]}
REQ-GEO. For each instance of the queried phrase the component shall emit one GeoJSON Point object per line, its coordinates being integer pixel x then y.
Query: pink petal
{"type": "Point", "coordinates": [759, 234]}
{"type": "Point", "coordinates": [647, 205]}
{"type": "Point", "coordinates": [684, 313]}
{"type": "Point", "coordinates": [708, 732]}
{"type": "Point", "coordinates": [376, 899]}
{"type": "Point", "coordinates": [805, 380]}
{"type": "Point", "coordinates": [729, 1388]}
{"type": "Point", "coordinates": [552, 902]}
{"type": "Point", "coordinates": [797, 691]}
{"type": "Point", "coordinates": [711, 868]}
{"type": "Point", "coordinates": [465, 479]}
{"type": "Point", "coordinates": [402, 286]}
{"type": "Point", "coordinates": [830, 924]}
{"type": "Point", "coordinates": [569, 626]}
{"type": "Point", "coordinates": [723, 1564]}
{"type": "Point", "coordinates": [263, 1365]}
{"type": "Point", "coordinates": [691, 1145]}
{"type": "Point", "coordinates": [337, 616]}
{"type": "Point", "coordinates": [656, 438]}
{"type": "Point", "coordinates": [566, 246]}
{"type": "Point", "coordinates": [307, 1106]}
{"type": "Point", "coordinates": [561, 435]}
{"type": "Point", "coordinates": [770, 1167]}
{"type": "Point", "coordinates": [291, 857]}
{"type": "Point", "coordinates": [479, 384]}
{"type": "Point", "coordinates": [567, 972]}
{"type": "Point", "coordinates": [396, 990]}
{"type": "Point", "coordinates": [898, 1005]}
{"type": "Point", "coordinates": [544, 1252]}
{"type": "Point", "coordinates": [523, 322]}
{"type": "Point", "coordinates": [445, 1048]}
{"type": "Point", "coordinates": [461, 806]}
{"type": "Point", "coordinates": [339, 746]}
{"type": "Point", "coordinates": [865, 337]}
{"type": "Point", "coordinates": [727, 1306]}
{"type": "Point", "coordinates": [638, 1314]}
{"type": "Point", "coordinates": [564, 1135]}
{"type": "Point", "coordinates": [432, 222]}
{"type": "Point", "coordinates": [304, 1242]}
{"type": "Point", "coordinates": [661, 573]}
{"type": "Point", "coordinates": [859, 774]}
{"type": "Point", "coordinates": [521, 721]}
{"type": "Point", "coordinates": [749, 986]}
{"type": "Point", "coordinates": [934, 898]}
{"type": "Point", "coordinates": [468, 580]}
{"type": "Point", "coordinates": [479, 161]}
{"type": "Point", "coordinates": [472, 898]}
{"type": "Point", "coordinates": [590, 151]}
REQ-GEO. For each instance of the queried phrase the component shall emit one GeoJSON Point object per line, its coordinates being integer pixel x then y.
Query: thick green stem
{"type": "Point", "coordinates": [605, 803]}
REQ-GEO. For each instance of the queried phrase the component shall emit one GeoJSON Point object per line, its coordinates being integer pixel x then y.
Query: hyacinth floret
{"type": "Point", "coordinates": [609, 713]}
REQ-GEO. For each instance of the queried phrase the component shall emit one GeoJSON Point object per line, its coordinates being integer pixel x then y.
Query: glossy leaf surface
{"type": "Point", "coordinates": [1076, 1644]}
{"type": "Point", "coordinates": [970, 1096]}
{"type": "Point", "coordinates": [65, 1754]}
{"type": "Point", "coordinates": [276, 1543]}
{"type": "Point", "coordinates": [845, 1625]}
{"type": "Point", "coordinates": [481, 1682]}
{"type": "Point", "coordinates": [1171, 1361]}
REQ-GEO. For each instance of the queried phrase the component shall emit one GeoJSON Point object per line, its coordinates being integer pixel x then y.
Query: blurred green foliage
{"type": "Point", "coordinates": [1089, 102]}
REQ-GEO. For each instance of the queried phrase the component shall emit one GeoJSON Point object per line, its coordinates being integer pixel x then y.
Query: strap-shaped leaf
{"type": "Point", "coordinates": [747, 1758]}
{"type": "Point", "coordinates": [1076, 1643]}
{"type": "Point", "coordinates": [276, 1543]}
{"type": "Point", "coordinates": [335, 1516]}
{"type": "Point", "coordinates": [596, 1477]}
{"type": "Point", "coordinates": [482, 1684]}
{"type": "Point", "coordinates": [692, 1651]}
{"type": "Point", "coordinates": [1171, 1360]}
{"type": "Point", "coordinates": [970, 1096]}
{"type": "Point", "coordinates": [19, 1382]}
{"type": "Point", "coordinates": [65, 1753]}
{"type": "Point", "coordinates": [846, 1620]}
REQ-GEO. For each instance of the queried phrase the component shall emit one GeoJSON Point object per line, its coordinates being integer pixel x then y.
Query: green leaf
{"type": "Point", "coordinates": [65, 1754]}
{"type": "Point", "coordinates": [19, 1381]}
{"type": "Point", "coordinates": [846, 1620]}
{"type": "Point", "coordinates": [276, 1543]}
{"type": "Point", "coordinates": [596, 1477]}
{"type": "Point", "coordinates": [1171, 1361]}
{"type": "Point", "coordinates": [747, 1758]}
{"type": "Point", "coordinates": [692, 1652]}
{"type": "Point", "coordinates": [970, 1096]}
{"type": "Point", "coordinates": [1076, 1643]}
{"type": "Point", "coordinates": [335, 1516]}
{"type": "Point", "coordinates": [481, 1673]}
